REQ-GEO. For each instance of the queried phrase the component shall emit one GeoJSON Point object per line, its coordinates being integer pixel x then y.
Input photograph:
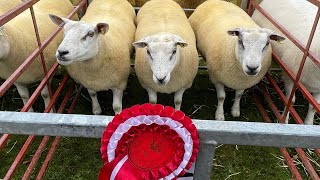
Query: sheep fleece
{"type": "Point", "coordinates": [166, 16]}
{"type": "Point", "coordinates": [288, 13]}
{"type": "Point", "coordinates": [111, 66]}
{"type": "Point", "coordinates": [211, 22]}
{"type": "Point", "coordinates": [21, 36]}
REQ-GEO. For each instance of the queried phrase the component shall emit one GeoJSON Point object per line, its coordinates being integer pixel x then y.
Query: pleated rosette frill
{"type": "Point", "coordinates": [148, 142]}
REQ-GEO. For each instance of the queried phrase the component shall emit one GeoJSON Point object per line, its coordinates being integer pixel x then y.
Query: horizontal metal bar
{"type": "Point", "coordinates": [16, 11]}
{"type": "Point", "coordinates": [185, 9]}
{"type": "Point", "coordinates": [315, 2]}
{"type": "Point", "coordinates": [223, 132]}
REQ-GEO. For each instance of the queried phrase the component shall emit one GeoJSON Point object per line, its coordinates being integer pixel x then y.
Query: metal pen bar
{"type": "Point", "coordinates": [226, 132]}
{"type": "Point", "coordinates": [6, 17]}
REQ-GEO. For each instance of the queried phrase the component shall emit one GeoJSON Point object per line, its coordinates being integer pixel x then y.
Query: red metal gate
{"type": "Point", "coordinates": [62, 85]}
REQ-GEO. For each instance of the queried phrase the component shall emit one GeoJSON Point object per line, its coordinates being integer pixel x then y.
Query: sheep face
{"type": "Point", "coordinates": [4, 45]}
{"type": "Point", "coordinates": [80, 41]}
{"type": "Point", "coordinates": [251, 47]}
{"type": "Point", "coordinates": [162, 53]}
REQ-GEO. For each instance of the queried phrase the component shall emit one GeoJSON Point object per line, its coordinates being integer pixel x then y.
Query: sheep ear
{"type": "Point", "coordinates": [234, 32]}
{"type": "Point", "coordinates": [58, 20]}
{"type": "Point", "coordinates": [142, 43]}
{"type": "Point", "coordinates": [139, 44]}
{"type": "Point", "coordinates": [102, 28]}
{"type": "Point", "coordinates": [277, 37]}
{"type": "Point", "coordinates": [179, 41]}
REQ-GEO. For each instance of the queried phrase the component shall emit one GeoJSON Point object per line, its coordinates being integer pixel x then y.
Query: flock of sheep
{"type": "Point", "coordinates": [97, 49]}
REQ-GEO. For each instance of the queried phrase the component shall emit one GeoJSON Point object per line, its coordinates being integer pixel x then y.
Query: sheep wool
{"type": "Point", "coordinates": [298, 18]}
{"type": "Point", "coordinates": [166, 16]}
{"type": "Point", "coordinates": [19, 33]}
{"type": "Point", "coordinates": [211, 21]}
{"type": "Point", "coordinates": [111, 66]}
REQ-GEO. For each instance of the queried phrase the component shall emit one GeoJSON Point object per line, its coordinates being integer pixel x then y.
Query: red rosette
{"type": "Point", "coordinates": [148, 142]}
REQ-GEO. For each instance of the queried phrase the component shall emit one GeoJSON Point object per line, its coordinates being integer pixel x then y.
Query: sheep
{"type": "Point", "coordinates": [236, 49]}
{"type": "Point", "coordinates": [18, 41]}
{"type": "Point", "coordinates": [95, 61]}
{"type": "Point", "coordinates": [297, 17]}
{"type": "Point", "coordinates": [165, 41]}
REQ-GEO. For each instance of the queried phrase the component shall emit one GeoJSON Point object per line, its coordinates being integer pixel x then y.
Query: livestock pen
{"type": "Point", "coordinates": [67, 98]}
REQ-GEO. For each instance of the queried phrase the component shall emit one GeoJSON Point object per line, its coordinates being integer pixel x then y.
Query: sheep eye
{"type": "Point", "coordinates": [148, 52]}
{"type": "Point", "coordinates": [91, 33]}
{"type": "Point", "coordinates": [241, 43]}
{"type": "Point", "coordinates": [84, 38]}
{"type": "Point", "coordinates": [267, 43]}
{"type": "Point", "coordinates": [174, 52]}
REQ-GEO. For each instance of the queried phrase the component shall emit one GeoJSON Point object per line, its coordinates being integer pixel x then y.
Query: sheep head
{"type": "Point", "coordinates": [80, 40]}
{"type": "Point", "coordinates": [252, 46]}
{"type": "Point", "coordinates": [4, 44]}
{"type": "Point", "coordinates": [162, 53]}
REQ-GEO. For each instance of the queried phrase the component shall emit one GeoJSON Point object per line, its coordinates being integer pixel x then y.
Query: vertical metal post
{"type": "Point", "coordinates": [244, 5]}
{"type": "Point", "coordinates": [205, 160]}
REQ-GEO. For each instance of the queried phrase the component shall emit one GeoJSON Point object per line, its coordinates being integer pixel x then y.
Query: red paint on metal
{"type": "Point", "coordinates": [294, 113]}
{"type": "Point", "coordinates": [315, 2]}
{"type": "Point", "coordinates": [304, 58]}
{"type": "Point", "coordinates": [301, 87]}
{"type": "Point", "coordinates": [37, 92]}
{"type": "Point", "coordinates": [6, 85]}
{"type": "Point", "coordinates": [311, 55]}
{"type": "Point", "coordinates": [17, 73]}
{"type": "Point", "coordinates": [293, 169]}
{"type": "Point", "coordinates": [261, 108]}
{"type": "Point", "coordinates": [6, 17]}
{"type": "Point", "coordinates": [19, 157]}
{"type": "Point", "coordinates": [3, 140]}
{"type": "Point", "coordinates": [54, 145]}
{"type": "Point", "coordinates": [307, 164]}
{"type": "Point", "coordinates": [35, 158]}
{"type": "Point", "coordinates": [42, 145]}
{"type": "Point", "coordinates": [57, 93]}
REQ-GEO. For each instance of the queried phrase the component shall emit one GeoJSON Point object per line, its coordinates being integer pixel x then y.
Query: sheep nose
{"type": "Point", "coordinates": [252, 70]}
{"type": "Point", "coordinates": [63, 53]}
{"type": "Point", "coordinates": [161, 80]}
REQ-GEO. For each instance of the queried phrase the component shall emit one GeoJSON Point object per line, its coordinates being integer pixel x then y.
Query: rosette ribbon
{"type": "Point", "coordinates": [148, 142]}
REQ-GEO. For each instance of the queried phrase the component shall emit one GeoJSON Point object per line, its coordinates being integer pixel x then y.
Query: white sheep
{"type": "Point", "coordinates": [95, 61]}
{"type": "Point", "coordinates": [169, 63]}
{"type": "Point", "coordinates": [237, 50]}
{"type": "Point", "coordinates": [18, 41]}
{"type": "Point", "coordinates": [297, 17]}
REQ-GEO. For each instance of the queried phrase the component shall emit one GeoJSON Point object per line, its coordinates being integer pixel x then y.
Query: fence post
{"type": "Point", "coordinates": [205, 160]}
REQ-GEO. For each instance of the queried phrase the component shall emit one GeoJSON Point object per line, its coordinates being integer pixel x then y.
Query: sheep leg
{"type": "Point", "coordinates": [221, 95]}
{"type": "Point", "coordinates": [46, 96]}
{"type": "Point", "coordinates": [24, 94]}
{"type": "Point", "coordinates": [311, 111]}
{"type": "Point", "coordinates": [117, 100]}
{"type": "Point", "coordinates": [152, 96]}
{"type": "Point", "coordinates": [96, 109]}
{"type": "Point", "coordinates": [288, 88]}
{"type": "Point", "coordinates": [178, 98]}
{"type": "Point", "coordinates": [235, 110]}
